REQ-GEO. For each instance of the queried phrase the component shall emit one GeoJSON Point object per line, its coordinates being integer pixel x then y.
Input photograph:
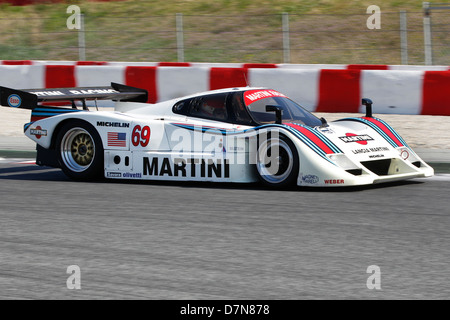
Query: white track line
{"type": "Point", "coordinates": [17, 161]}
{"type": "Point", "coordinates": [27, 162]}
{"type": "Point", "coordinates": [437, 177]}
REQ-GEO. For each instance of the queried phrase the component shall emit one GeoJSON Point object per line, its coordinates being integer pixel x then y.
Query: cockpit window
{"type": "Point", "coordinates": [212, 107]}
{"type": "Point", "coordinates": [246, 108]}
{"type": "Point", "coordinates": [258, 100]}
{"type": "Point", "coordinates": [240, 111]}
{"type": "Point", "coordinates": [182, 107]}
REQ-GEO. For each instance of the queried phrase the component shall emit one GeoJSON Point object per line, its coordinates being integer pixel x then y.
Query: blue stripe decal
{"type": "Point", "coordinates": [393, 132]}
{"type": "Point", "coordinates": [51, 112]}
{"type": "Point", "coordinates": [26, 126]}
{"type": "Point", "coordinates": [55, 110]}
{"type": "Point", "coordinates": [324, 139]}
{"type": "Point", "coordinates": [46, 114]}
{"type": "Point", "coordinates": [202, 128]}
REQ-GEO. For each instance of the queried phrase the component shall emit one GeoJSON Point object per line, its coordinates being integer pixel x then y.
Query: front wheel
{"type": "Point", "coordinates": [277, 162]}
{"type": "Point", "coordinates": [80, 151]}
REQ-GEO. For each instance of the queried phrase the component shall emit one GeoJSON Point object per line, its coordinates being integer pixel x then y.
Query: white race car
{"type": "Point", "coordinates": [238, 135]}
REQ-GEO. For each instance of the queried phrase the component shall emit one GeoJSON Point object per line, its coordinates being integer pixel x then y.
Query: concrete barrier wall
{"type": "Point", "coordinates": [321, 88]}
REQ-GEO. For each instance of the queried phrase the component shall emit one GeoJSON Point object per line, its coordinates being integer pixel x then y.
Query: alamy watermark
{"type": "Point", "coordinates": [374, 21]}
{"type": "Point", "coordinates": [74, 20]}
{"type": "Point", "coordinates": [374, 280]}
{"type": "Point", "coordinates": [74, 280]}
{"type": "Point", "coordinates": [243, 148]}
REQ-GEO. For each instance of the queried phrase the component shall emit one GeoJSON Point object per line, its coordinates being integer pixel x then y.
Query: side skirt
{"type": "Point", "coordinates": [168, 166]}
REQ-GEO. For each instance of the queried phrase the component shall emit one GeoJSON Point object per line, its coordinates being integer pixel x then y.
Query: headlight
{"type": "Point", "coordinates": [342, 161]}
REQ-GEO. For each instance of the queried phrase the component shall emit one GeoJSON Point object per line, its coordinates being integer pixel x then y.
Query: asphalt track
{"type": "Point", "coordinates": [136, 240]}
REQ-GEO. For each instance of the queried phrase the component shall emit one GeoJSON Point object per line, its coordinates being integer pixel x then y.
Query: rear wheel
{"type": "Point", "coordinates": [80, 151]}
{"type": "Point", "coordinates": [278, 162]}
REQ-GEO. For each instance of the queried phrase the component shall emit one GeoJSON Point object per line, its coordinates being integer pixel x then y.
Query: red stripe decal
{"type": "Point", "coordinates": [385, 130]}
{"type": "Point", "coordinates": [35, 118]}
{"type": "Point", "coordinates": [311, 136]}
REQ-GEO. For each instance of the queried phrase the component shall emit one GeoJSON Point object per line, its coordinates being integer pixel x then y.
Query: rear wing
{"type": "Point", "coordinates": [30, 98]}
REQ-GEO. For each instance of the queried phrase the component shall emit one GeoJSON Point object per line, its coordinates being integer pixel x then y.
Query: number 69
{"type": "Point", "coordinates": [140, 136]}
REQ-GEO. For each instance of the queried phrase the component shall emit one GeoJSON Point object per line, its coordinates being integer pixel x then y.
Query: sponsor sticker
{"type": "Point", "coordinates": [310, 179]}
{"type": "Point", "coordinates": [93, 91]}
{"type": "Point", "coordinates": [130, 175]}
{"type": "Point", "coordinates": [255, 95]}
{"type": "Point", "coordinates": [375, 156]}
{"type": "Point", "coordinates": [361, 139]}
{"type": "Point", "coordinates": [48, 93]}
{"type": "Point", "coordinates": [114, 175]}
{"type": "Point", "coordinates": [113, 124]}
{"type": "Point", "coordinates": [14, 101]}
{"type": "Point", "coordinates": [186, 167]}
{"type": "Point", "coordinates": [334, 181]}
{"type": "Point", "coordinates": [38, 132]}
{"type": "Point", "coordinates": [369, 150]}
{"type": "Point", "coordinates": [326, 130]}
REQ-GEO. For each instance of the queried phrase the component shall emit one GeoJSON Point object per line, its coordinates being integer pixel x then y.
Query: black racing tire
{"type": "Point", "coordinates": [285, 172]}
{"type": "Point", "coordinates": [80, 151]}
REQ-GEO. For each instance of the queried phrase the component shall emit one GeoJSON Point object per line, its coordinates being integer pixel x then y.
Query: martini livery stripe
{"type": "Point", "coordinates": [42, 113]}
{"type": "Point", "coordinates": [203, 128]}
{"type": "Point", "coordinates": [383, 129]}
{"type": "Point", "coordinates": [388, 130]}
{"type": "Point", "coordinates": [317, 138]}
{"type": "Point", "coordinates": [314, 139]}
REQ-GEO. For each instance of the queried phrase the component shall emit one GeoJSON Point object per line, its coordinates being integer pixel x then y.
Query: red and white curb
{"type": "Point", "coordinates": [319, 88]}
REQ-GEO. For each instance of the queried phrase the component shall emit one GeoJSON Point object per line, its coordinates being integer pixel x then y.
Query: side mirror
{"type": "Point", "coordinates": [368, 103]}
{"type": "Point", "coordinates": [278, 112]}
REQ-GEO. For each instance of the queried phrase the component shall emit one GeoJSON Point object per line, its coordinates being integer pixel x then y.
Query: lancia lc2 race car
{"type": "Point", "coordinates": [241, 135]}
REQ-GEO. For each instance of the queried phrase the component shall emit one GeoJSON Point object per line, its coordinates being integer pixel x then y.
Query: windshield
{"type": "Point", "coordinates": [257, 102]}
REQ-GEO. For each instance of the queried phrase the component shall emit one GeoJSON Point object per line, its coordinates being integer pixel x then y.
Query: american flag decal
{"type": "Point", "coordinates": [117, 139]}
